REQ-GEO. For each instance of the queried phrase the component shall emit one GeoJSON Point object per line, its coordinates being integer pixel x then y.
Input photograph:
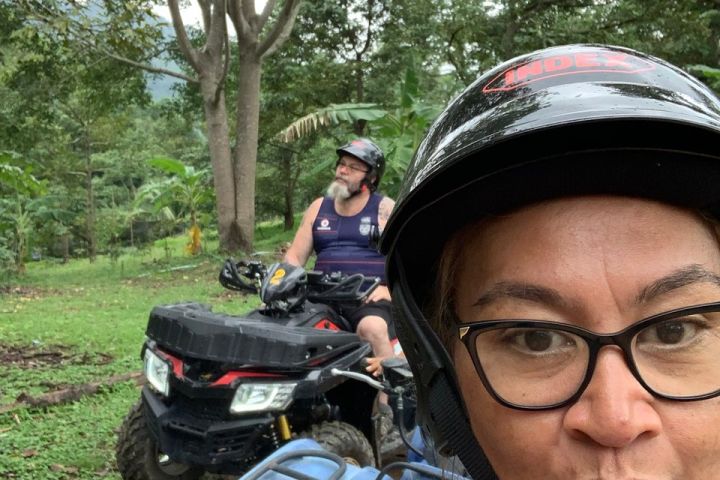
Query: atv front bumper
{"type": "Point", "coordinates": [197, 432]}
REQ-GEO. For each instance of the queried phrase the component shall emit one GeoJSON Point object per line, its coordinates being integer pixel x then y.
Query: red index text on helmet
{"type": "Point", "coordinates": [562, 65]}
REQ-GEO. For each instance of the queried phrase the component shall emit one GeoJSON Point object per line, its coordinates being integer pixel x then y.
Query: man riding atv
{"type": "Point", "coordinates": [338, 228]}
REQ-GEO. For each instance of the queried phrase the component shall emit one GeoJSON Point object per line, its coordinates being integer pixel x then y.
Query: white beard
{"type": "Point", "coordinates": [338, 191]}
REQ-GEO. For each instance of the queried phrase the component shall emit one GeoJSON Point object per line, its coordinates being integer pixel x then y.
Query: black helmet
{"type": "Point", "coordinates": [564, 121]}
{"type": "Point", "coordinates": [369, 153]}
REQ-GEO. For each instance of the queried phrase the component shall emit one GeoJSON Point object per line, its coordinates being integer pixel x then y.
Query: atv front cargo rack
{"type": "Point", "coordinates": [194, 330]}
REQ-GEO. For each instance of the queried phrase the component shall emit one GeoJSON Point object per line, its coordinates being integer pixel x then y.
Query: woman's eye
{"type": "Point", "coordinates": [673, 332]}
{"type": "Point", "coordinates": [540, 341]}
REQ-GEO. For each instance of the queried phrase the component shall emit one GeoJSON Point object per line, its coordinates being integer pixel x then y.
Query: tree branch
{"type": "Point", "coordinates": [368, 37]}
{"type": "Point", "coordinates": [265, 14]}
{"type": "Point", "coordinates": [248, 11]}
{"type": "Point", "coordinates": [218, 41]}
{"type": "Point", "coordinates": [205, 9]}
{"type": "Point", "coordinates": [226, 65]}
{"type": "Point", "coordinates": [70, 394]}
{"type": "Point", "coordinates": [84, 35]}
{"type": "Point", "coordinates": [215, 32]}
{"type": "Point", "coordinates": [183, 41]}
{"type": "Point", "coordinates": [611, 25]}
{"type": "Point", "coordinates": [458, 63]}
{"type": "Point", "coordinates": [150, 68]}
{"type": "Point", "coordinates": [281, 30]}
{"type": "Point", "coordinates": [241, 26]}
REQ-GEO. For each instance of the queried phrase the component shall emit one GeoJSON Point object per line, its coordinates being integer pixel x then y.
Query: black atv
{"type": "Point", "coordinates": [224, 391]}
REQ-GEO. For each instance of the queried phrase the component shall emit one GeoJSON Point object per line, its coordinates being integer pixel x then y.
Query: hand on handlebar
{"type": "Point", "coordinates": [374, 366]}
{"type": "Point", "coordinates": [380, 293]}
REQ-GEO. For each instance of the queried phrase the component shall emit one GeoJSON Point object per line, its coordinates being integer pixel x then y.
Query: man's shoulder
{"type": "Point", "coordinates": [317, 202]}
{"type": "Point", "coordinates": [386, 202]}
{"type": "Point", "coordinates": [383, 197]}
{"type": "Point", "coordinates": [314, 208]}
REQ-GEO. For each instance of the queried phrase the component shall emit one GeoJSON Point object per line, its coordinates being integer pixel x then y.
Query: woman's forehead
{"type": "Point", "coordinates": [580, 246]}
{"type": "Point", "coordinates": [591, 217]}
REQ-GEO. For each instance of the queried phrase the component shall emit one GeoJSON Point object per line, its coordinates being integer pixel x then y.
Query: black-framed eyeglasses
{"type": "Point", "coordinates": [539, 365]}
{"type": "Point", "coordinates": [353, 167]}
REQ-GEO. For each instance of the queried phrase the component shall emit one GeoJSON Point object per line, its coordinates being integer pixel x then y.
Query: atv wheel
{"type": "Point", "coordinates": [344, 440]}
{"type": "Point", "coordinates": [138, 457]}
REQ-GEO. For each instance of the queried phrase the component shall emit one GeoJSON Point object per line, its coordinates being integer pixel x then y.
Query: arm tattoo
{"type": "Point", "coordinates": [384, 210]}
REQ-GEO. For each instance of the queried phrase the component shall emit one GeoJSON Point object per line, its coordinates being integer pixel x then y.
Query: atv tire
{"type": "Point", "coordinates": [343, 440]}
{"type": "Point", "coordinates": [138, 457]}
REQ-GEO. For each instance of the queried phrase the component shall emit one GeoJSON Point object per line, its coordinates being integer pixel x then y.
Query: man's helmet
{"type": "Point", "coordinates": [368, 153]}
{"type": "Point", "coordinates": [564, 121]}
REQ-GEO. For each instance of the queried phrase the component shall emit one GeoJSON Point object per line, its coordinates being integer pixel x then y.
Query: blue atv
{"type": "Point", "coordinates": [306, 459]}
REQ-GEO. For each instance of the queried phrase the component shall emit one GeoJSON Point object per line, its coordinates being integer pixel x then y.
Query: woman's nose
{"type": "Point", "coordinates": [615, 409]}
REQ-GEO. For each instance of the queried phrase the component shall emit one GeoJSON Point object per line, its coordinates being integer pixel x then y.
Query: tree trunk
{"type": "Point", "coordinates": [248, 111]}
{"type": "Point", "coordinates": [223, 176]}
{"type": "Point", "coordinates": [65, 242]}
{"type": "Point", "coordinates": [511, 28]}
{"type": "Point", "coordinates": [20, 252]}
{"type": "Point", "coordinates": [234, 181]}
{"type": "Point", "coordinates": [359, 125]}
{"type": "Point", "coordinates": [288, 212]}
{"type": "Point", "coordinates": [90, 219]}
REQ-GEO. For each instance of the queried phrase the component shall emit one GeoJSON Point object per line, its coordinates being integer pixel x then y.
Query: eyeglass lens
{"type": "Point", "coordinates": [542, 366]}
{"type": "Point", "coordinates": [356, 168]}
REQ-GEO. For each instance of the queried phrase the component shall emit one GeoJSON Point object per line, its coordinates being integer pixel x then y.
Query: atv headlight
{"type": "Point", "coordinates": [262, 397]}
{"type": "Point", "coordinates": [157, 372]}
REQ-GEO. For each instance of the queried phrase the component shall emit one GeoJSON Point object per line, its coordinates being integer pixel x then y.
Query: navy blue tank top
{"type": "Point", "coordinates": [342, 244]}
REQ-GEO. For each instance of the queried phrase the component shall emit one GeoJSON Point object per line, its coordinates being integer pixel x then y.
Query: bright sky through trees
{"type": "Point", "coordinates": [192, 16]}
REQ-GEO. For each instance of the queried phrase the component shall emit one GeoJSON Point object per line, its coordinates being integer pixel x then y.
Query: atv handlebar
{"type": "Point", "coordinates": [397, 383]}
{"type": "Point", "coordinates": [398, 376]}
{"type": "Point", "coordinates": [232, 273]}
{"type": "Point", "coordinates": [337, 288]}
{"type": "Point", "coordinates": [333, 288]}
{"type": "Point", "coordinates": [376, 384]}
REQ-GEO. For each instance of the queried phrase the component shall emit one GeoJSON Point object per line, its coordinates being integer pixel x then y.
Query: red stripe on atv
{"type": "Point", "coordinates": [229, 377]}
{"type": "Point", "coordinates": [326, 324]}
{"type": "Point", "coordinates": [177, 364]}
{"type": "Point", "coordinates": [226, 379]}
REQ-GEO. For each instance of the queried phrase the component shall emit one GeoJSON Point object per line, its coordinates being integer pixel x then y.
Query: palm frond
{"type": "Point", "coordinates": [330, 115]}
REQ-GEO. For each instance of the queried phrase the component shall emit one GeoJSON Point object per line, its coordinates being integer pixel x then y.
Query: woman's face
{"type": "Point", "coordinates": [601, 263]}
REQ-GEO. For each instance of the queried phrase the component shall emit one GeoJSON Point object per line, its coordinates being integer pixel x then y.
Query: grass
{"type": "Point", "coordinates": [81, 322]}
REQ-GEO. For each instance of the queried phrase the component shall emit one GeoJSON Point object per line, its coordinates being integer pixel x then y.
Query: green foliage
{"type": "Point", "coordinates": [95, 314]}
{"type": "Point", "coordinates": [399, 131]}
{"type": "Point", "coordinates": [271, 235]}
{"type": "Point", "coordinates": [81, 122]}
{"type": "Point", "coordinates": [188, 188]}
{"type": "Point", "coordinates": [15, 179]}
{"type": "Point", "coordinates": [709, 74]}
{"type": "Point", "coordinates": [16, 222]}
{"type": "Point", "coordinates": [17, 210]}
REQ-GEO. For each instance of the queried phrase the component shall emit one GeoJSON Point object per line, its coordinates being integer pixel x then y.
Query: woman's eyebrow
{"type": "Point", "coordinates": [522, 291]}
{"type": "Point", "coordinates": [679, 278]}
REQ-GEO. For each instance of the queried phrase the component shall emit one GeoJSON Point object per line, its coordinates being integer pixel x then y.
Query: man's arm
{"type": "Point", "coordinates": [302, 245]}
{"type": "Point", "coordinates": [384, 210]}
